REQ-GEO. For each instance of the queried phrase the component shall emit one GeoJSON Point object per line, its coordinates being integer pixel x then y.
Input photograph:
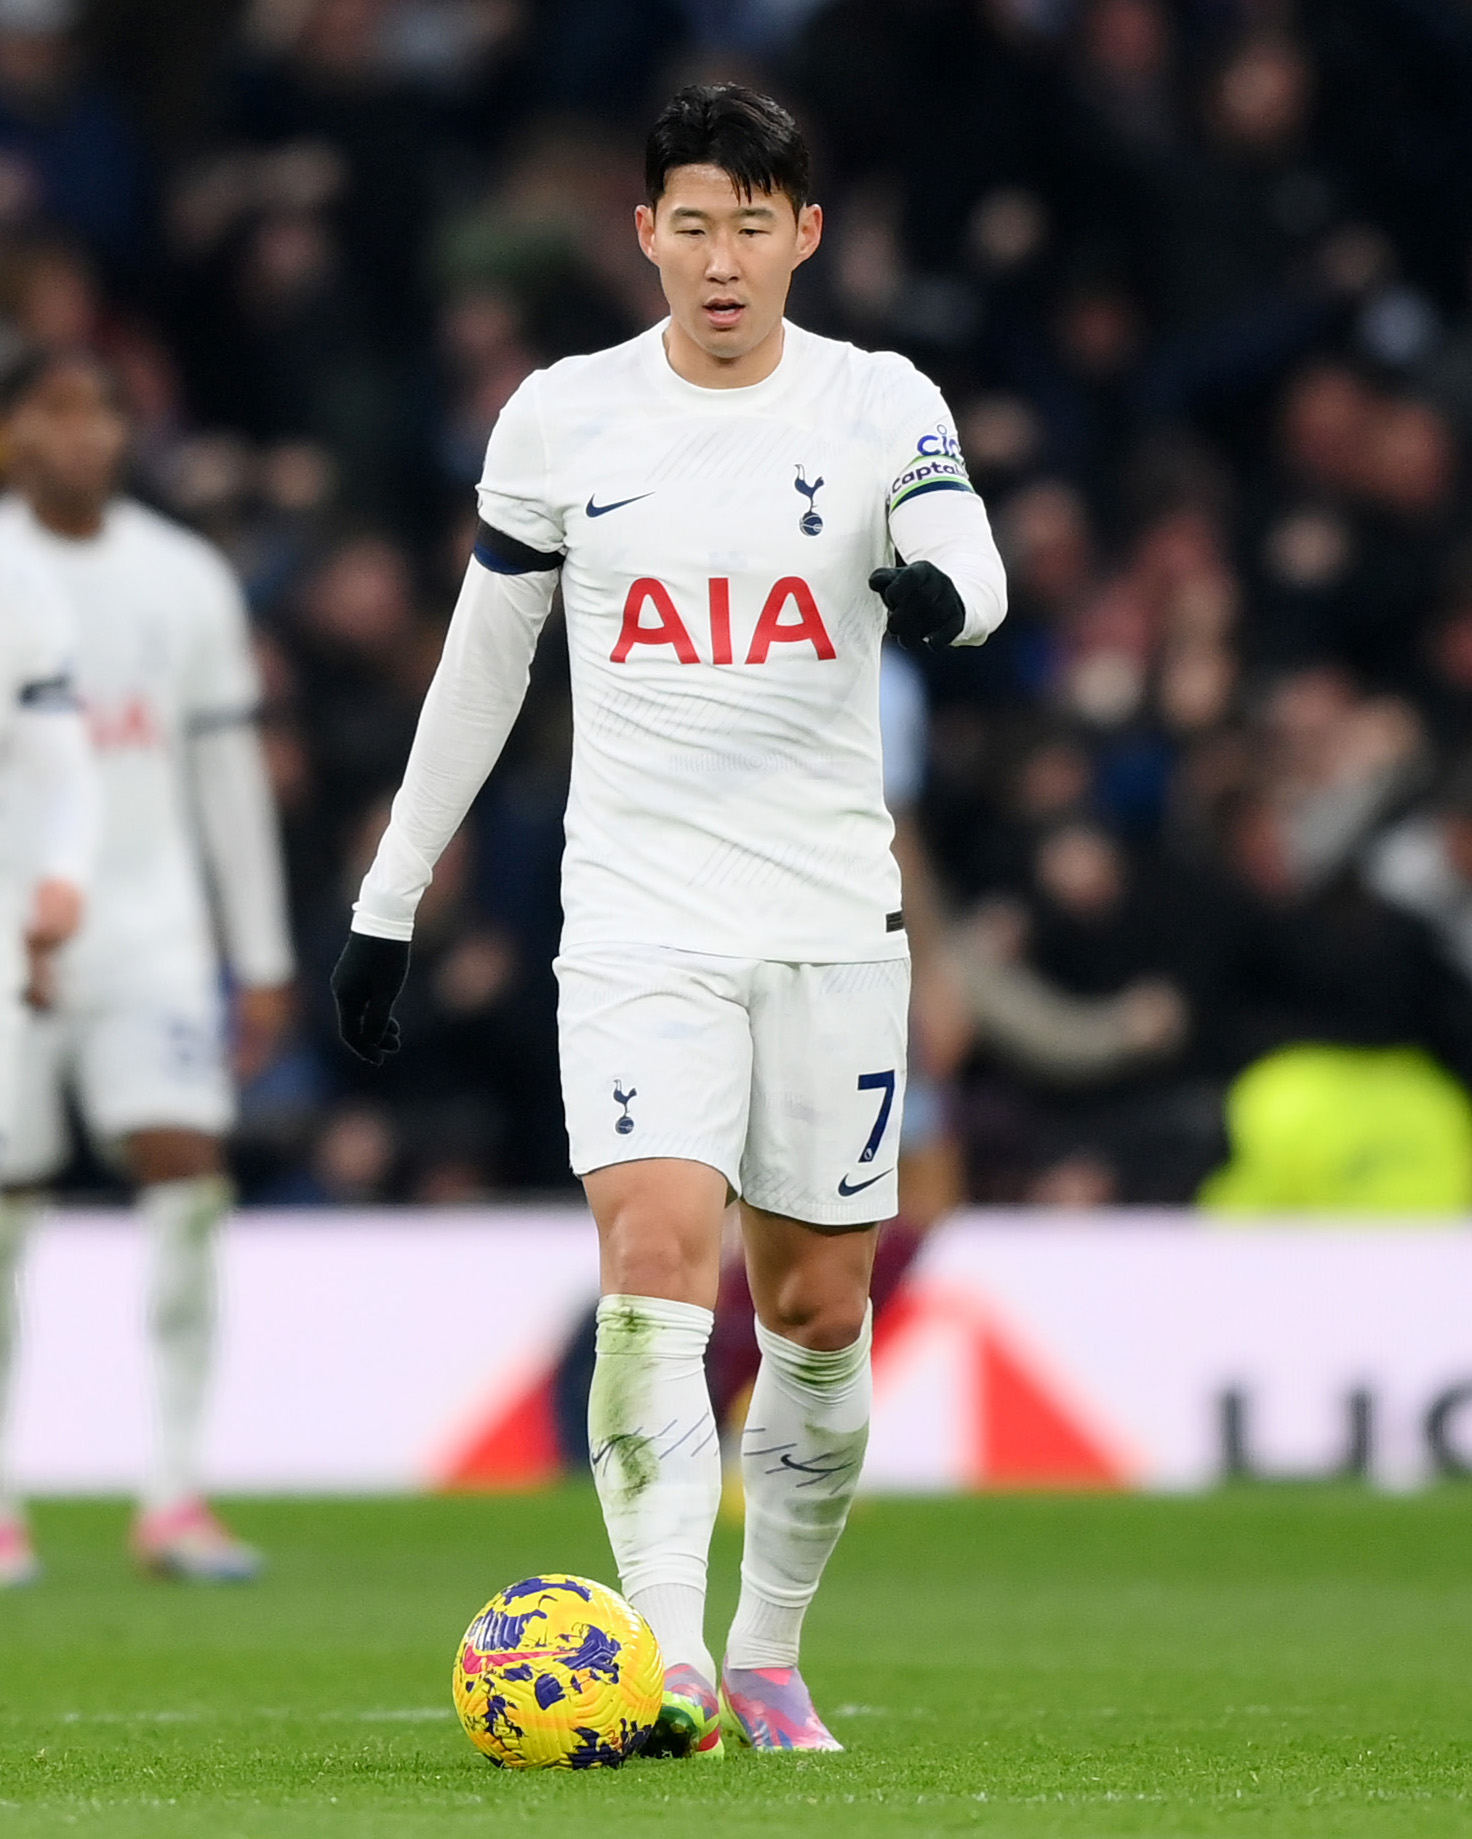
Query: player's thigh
{"type": "Point", "coordinates": [655, 1048]}
{"type": "Point", "coordinates": [659, 1228]}
{"type": "Point", "coordinates": [38, 1139]}
{"type": "Point", "coordinates": [153, 1057]}
{"type": "Point", "coordinates": [171, 1152]}
{"type": "Point", "coordinates": [828, 1084]}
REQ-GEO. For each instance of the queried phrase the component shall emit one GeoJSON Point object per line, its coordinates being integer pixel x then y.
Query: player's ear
{"type": "Point", "coordinates": [644, 228]}
{"type": "Point", "coordinates": [809, 230]}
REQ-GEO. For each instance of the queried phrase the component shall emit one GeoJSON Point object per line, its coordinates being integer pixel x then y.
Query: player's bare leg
{"type": "Point", "coordinates": [802, 1452]}
{"type": "Point", "coordinates": [183, 1194]}
{"type": "Point", "coordinates": [651, 1430]}
{"type": "Point", "coordinates": [18, 1562]}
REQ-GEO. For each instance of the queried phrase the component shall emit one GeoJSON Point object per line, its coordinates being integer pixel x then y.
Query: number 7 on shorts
{"type": "Point", "coordinates": [877, 1082]}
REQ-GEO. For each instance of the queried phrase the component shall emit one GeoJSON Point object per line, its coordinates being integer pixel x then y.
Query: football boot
{"type": "Point", "coordinates": [770, 1708]}
{"type": "Point", "coordinates": [19, 1564]}
{"type": "Point", "coordinates": [689, 1721]}
{"type": "Point", "coordinates": [188, 1542]}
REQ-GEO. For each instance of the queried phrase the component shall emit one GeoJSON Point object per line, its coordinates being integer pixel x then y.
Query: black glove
{"type": "Point", "coordinates": [365, 985]}
{"type": "Point", "coordinates": [924, 607]}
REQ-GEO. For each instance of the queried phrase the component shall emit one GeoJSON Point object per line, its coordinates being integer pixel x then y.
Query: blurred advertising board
{"type": "Point", "coordinates": [399, 1350]}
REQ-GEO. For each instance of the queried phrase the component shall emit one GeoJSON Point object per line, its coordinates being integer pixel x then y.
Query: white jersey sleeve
{"type": "Point", "coordinates": [513, 494]}
{"type": "Point", "coordinates": [222, 684]}
{"type": "Point", "coordinates": [41, 632]}
{"type": "Point", "coordinates": [468, 712]}
{"type": "Point", "coordinates": [51, 827]}
{"type": "Point", "coordinates": [481, 682]}
{"type": "Point", "coordinates": [934, 512]}
{"type": "Point", "coordinates": [242, 849]}
{"type": "Point", "coordinates": [234, 811]}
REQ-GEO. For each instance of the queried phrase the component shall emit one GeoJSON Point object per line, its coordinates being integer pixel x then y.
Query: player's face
{"type": "Point", "coordinates": [66, 440]}
{"type": "Point", "coordinates": [725, 261]}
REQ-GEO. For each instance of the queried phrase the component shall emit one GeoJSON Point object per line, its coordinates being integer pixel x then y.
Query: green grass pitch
{"type": "Point", "coordinates": [1280, 1661]}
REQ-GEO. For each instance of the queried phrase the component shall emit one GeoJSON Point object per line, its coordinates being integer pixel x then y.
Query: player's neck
{"type": "Point", "coordinates": [79, 520]}
{"type": "Point", "coordinates": [701, 367]}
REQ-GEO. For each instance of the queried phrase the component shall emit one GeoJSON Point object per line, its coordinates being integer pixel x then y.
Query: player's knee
{"type": "Point", "coordinates": [824, 1318]}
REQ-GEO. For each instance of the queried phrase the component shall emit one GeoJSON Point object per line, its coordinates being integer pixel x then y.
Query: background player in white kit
{"type": "Point", "coordinates": [48, 826]}
{"type": "Point", "coordinates": [135, 1027]}
{"type": "Point", "coordinates": [724, 497]}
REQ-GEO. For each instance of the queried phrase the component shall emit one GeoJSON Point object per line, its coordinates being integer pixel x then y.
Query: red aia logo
{"type": "Point", "coordinates": [772, 628]}
{"type": "Point", "coordinates": [124, 724]}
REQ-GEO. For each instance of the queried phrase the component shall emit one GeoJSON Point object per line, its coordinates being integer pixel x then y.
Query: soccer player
{"type": "Point", "coordinates": [134, 1028]}
{"type": "Point", "coordinates": [48, 825]}
{"type": "Point", "coordinates": [726, 500]}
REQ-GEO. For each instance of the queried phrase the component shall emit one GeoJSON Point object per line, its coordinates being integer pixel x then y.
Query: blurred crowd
{"type": "Point", "coordinates": [1197, 281]}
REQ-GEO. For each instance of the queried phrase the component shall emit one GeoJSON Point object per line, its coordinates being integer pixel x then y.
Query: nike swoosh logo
{"type": "Point", "coordinates": [602, 510]}
{"type": "Point", "coordinates": [858, 1187]}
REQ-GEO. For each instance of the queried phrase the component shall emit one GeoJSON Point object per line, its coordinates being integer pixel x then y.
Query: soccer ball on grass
{"type": "Point", "coordinates": [558, 1672]}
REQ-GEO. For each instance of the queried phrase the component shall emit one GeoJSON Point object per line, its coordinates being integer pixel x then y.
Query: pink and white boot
{"type": "Point", "coordinates": [19, 1564]}
{"type": "Point", "coordinates": [189, 1542]}
{"type": "Point", "coordinates": [770, 1708]}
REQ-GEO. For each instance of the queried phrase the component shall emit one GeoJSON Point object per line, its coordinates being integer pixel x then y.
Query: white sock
{"type": "Point", "coordinates": [182, 1217]}
{"type": "Point", "coordinates": [16, 1215]}
{"type": "Point", "coordinates": [801, 1454]}
{"type": "Point", "coordinates": [657, 1463]}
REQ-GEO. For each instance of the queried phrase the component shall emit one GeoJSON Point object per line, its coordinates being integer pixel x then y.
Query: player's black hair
{"type": "Point", "coordinates": [748, 135]}
{"type": "Point", "coordinates": [25, 374]}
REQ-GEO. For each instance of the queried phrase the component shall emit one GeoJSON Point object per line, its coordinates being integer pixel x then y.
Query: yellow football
{"type": "Point", "coordinates": [558, 1672]}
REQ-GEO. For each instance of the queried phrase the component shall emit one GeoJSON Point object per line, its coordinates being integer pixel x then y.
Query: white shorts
{"type": "Point", "coordinates": [155, 1062]}
{"type": "Point", "coordinates": [787, 1078]}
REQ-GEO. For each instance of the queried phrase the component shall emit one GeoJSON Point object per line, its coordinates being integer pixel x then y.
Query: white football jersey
{"type": "Point", "coordinates": [37, 653]}
{"type": "Point", "coordinates": [163, 651]}
{"type": "Point", "coordinates": [727, 781]}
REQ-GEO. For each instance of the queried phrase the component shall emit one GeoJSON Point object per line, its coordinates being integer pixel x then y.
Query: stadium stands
{"type": "Point", "coordinates": [1196, 280]}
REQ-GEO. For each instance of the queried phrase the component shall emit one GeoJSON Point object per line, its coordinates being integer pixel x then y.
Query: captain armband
{"type": "Point", "coordinates": [507, 555]}
{"type": "Point", "coordinates": [937, 465]}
